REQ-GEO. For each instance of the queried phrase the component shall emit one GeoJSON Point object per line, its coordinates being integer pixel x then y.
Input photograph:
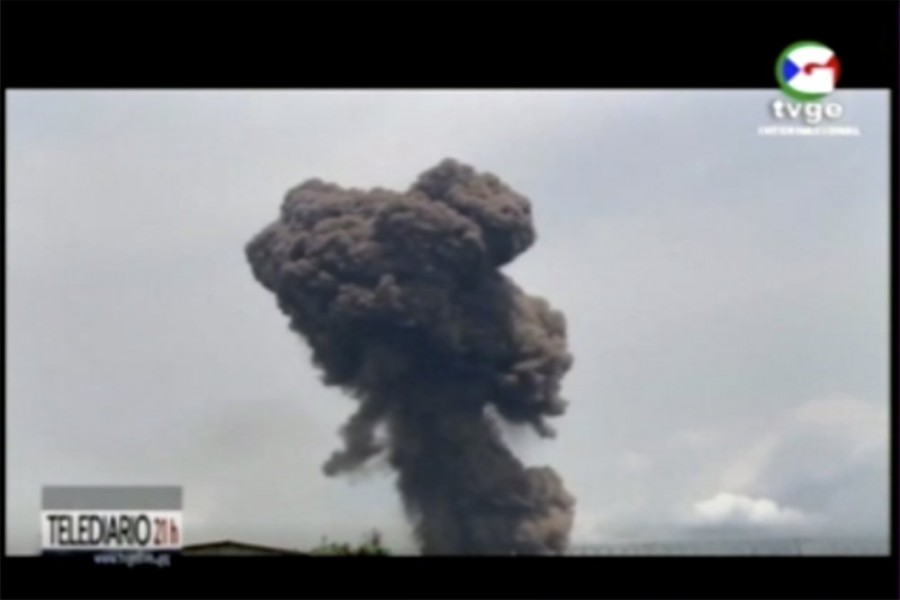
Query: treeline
{"type": "Point", "coordinates": [371, 545]}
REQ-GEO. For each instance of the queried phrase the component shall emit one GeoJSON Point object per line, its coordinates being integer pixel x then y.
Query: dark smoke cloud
{"type": "Point", "coordinates": [402, 301]}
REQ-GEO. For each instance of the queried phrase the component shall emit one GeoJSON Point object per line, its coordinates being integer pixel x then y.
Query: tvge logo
{"type": "Point", "coordinates": [811, 113]}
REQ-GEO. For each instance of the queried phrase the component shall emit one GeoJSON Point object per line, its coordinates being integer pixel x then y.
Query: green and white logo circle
{"type": "Point", "coordinates": [807, 70]}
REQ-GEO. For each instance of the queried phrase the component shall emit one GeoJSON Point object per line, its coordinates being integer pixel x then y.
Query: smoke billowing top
{"type": "Point", "coordinates": [402, 301]}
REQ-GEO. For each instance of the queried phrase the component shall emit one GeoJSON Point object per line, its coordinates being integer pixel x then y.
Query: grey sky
{"type": "Point", "coordinates": [727, 299]}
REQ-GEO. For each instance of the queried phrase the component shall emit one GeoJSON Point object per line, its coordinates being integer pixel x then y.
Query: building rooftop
{"type": "Point", "coordinates": [231, 547]}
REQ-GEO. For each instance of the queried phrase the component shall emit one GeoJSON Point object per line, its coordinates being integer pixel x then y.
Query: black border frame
{"type": "Point", "coordinates": [61, 44]}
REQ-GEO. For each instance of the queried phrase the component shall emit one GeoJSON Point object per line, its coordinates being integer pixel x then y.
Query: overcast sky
{"type": "Point", "coordinates": [727, 300]}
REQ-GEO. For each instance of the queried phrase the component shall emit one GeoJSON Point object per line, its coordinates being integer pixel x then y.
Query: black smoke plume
{"type": "Point", "coordinates": [401, 298]}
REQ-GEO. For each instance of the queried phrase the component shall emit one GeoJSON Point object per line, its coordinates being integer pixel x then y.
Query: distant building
{"type": "Point", "coordinates": [232, 548]}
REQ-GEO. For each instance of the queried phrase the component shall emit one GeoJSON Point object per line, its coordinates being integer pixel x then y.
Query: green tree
{"type": "Point", "coordinates": [371, 546]}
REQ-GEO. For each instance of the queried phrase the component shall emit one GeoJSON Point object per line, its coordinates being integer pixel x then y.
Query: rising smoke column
{"type": "Point", "coordinates": [401, 298]}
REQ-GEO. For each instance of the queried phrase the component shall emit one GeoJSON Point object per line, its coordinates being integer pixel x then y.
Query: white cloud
{"type": "Point", "coordinates": [736, 509]}
{"type": "Point", "coordinates": [827, 459]}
